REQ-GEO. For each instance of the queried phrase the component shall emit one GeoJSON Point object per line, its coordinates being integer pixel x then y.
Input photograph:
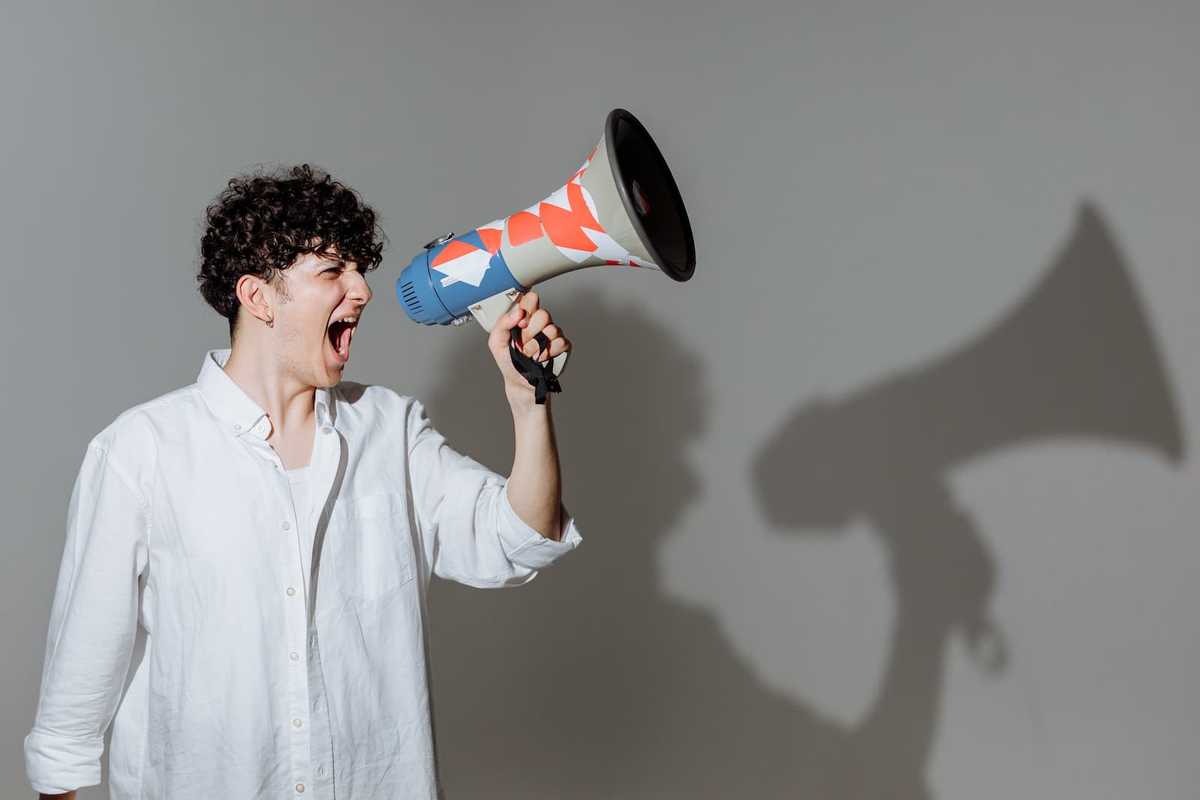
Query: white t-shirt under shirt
{"type": "Point", "coordinates": [301, 501]}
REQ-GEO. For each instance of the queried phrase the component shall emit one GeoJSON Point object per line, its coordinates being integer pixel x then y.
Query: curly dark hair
{"type": "Point", "coordinates": [262, 222]}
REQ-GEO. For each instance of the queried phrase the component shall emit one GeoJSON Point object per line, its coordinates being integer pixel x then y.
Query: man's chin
{"type": "Point", "coordinates": [327, 375]}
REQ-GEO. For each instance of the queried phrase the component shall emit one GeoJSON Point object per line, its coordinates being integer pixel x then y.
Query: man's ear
{"type": "Point", "coordinates": [254, 295]}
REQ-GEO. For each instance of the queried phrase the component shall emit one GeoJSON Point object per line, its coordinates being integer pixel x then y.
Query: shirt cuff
{"type": "Point", "coordinates": [525, 545]}
{"type": "Point", "coordinates": [57, 764]}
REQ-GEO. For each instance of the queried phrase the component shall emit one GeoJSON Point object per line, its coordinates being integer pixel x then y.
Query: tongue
{"type": "Point", "coordinates": [343, 341]}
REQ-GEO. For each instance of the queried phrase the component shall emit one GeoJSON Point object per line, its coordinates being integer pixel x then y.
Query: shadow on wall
{"type": "Point", "coordinates": [591, 683]}
{"type": "Point", "coordinates": [1076, 358]}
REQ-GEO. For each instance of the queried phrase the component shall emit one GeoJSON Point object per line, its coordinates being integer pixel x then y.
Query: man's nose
{"type": "Point", "coordinates": [360, 290]}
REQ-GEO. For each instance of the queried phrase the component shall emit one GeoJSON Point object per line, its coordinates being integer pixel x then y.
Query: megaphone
{"type": "Point", "coordinates": [620, 208]}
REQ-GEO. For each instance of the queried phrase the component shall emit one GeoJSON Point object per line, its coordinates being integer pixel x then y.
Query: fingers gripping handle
{"type": "Point", "coordinates": [541, 376]}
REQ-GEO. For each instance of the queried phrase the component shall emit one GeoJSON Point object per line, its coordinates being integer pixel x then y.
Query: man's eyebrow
{"type": "Point", "coordinates": [329, 262]}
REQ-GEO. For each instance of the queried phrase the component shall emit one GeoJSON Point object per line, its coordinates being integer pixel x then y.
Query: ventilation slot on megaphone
{"type": "Point", "coordinates": [409, 297]}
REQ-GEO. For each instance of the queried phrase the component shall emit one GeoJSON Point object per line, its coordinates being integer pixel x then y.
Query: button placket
{"type": "Point", "coordinates": [296, 632]}
{"type": "Point", "coordinates": [294, 614]}
{"type": "Point", "coordinates": [321, 746]}
{"type": "Point", "coordinates": [318, 756]}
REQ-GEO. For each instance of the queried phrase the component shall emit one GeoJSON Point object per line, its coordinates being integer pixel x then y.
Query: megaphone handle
{"type": "Point", "coordinates": [487, 312]}
{"type": "Point", "coordinates": [560, 362]}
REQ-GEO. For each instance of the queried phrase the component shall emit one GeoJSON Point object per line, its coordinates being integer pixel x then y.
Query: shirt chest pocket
{"type": "Point", "coordinates": [371, 546]}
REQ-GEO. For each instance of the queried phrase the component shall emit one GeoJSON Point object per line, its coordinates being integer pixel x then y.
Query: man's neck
{"type": "Point", "coordinates": [288, 402]}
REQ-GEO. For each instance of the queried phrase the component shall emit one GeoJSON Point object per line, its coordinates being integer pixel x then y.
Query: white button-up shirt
{"type": "Point", "coordinates": [184, 612]}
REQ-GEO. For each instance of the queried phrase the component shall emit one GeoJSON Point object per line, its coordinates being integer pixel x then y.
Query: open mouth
{"type": "Point", "coordinates": [340, 333]}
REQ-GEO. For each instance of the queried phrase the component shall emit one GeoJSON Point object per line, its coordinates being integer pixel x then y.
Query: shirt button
{"type": "Point", "coordinates": [320, 769]}
{"type": "Point", "coordinates": [286, 525]}
{"type": "Point", "coordinates": [326, 429]}
{"type": "Point", "coordinates": [294, 656]}
{"type": "Point", "coordinates": [291, 590]}
{"type": "Point", "coordinates": [237, 427]}
{"type": "Point", "coordinates": [296, 722]}
{"type": "Point", "coordinates": [299, 788]}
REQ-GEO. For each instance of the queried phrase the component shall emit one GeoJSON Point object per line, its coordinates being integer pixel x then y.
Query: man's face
{"type": "Point", "coordinates": [321, 292]}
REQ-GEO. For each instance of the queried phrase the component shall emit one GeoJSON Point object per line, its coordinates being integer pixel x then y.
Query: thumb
{"type": "Point", "coordinates": [508, 320]}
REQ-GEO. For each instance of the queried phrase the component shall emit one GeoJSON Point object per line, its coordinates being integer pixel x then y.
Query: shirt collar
{"type": "Point", "coordinates": [236, 409]}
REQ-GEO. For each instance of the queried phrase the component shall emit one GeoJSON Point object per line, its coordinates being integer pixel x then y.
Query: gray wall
{"type": "Point", "coordinates": [895, 498]}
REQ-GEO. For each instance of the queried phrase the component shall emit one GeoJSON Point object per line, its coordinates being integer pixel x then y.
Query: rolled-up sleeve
{"type": "Point", "coordinates": [469, 530]}
{"type": "Point", "coordinates": [93, 623]}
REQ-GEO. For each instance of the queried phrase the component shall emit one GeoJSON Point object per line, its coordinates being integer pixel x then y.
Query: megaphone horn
{"type": "Point", "coordinates": [620, 208]}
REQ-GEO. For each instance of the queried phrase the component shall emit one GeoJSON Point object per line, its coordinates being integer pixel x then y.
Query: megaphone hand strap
{"type": "Point", "coordinates": [540, 376]}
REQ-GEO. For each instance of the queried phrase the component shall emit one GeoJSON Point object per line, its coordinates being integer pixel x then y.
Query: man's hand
{"type": "Point", "coordinates": [531, 319]}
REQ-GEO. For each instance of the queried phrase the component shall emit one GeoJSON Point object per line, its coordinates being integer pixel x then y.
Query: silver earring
{"type": "Point", "coordinates": [271, 322]}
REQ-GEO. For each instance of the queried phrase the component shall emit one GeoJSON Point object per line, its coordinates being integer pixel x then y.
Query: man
{"type": "Point", "coordinates": [243, 590]}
